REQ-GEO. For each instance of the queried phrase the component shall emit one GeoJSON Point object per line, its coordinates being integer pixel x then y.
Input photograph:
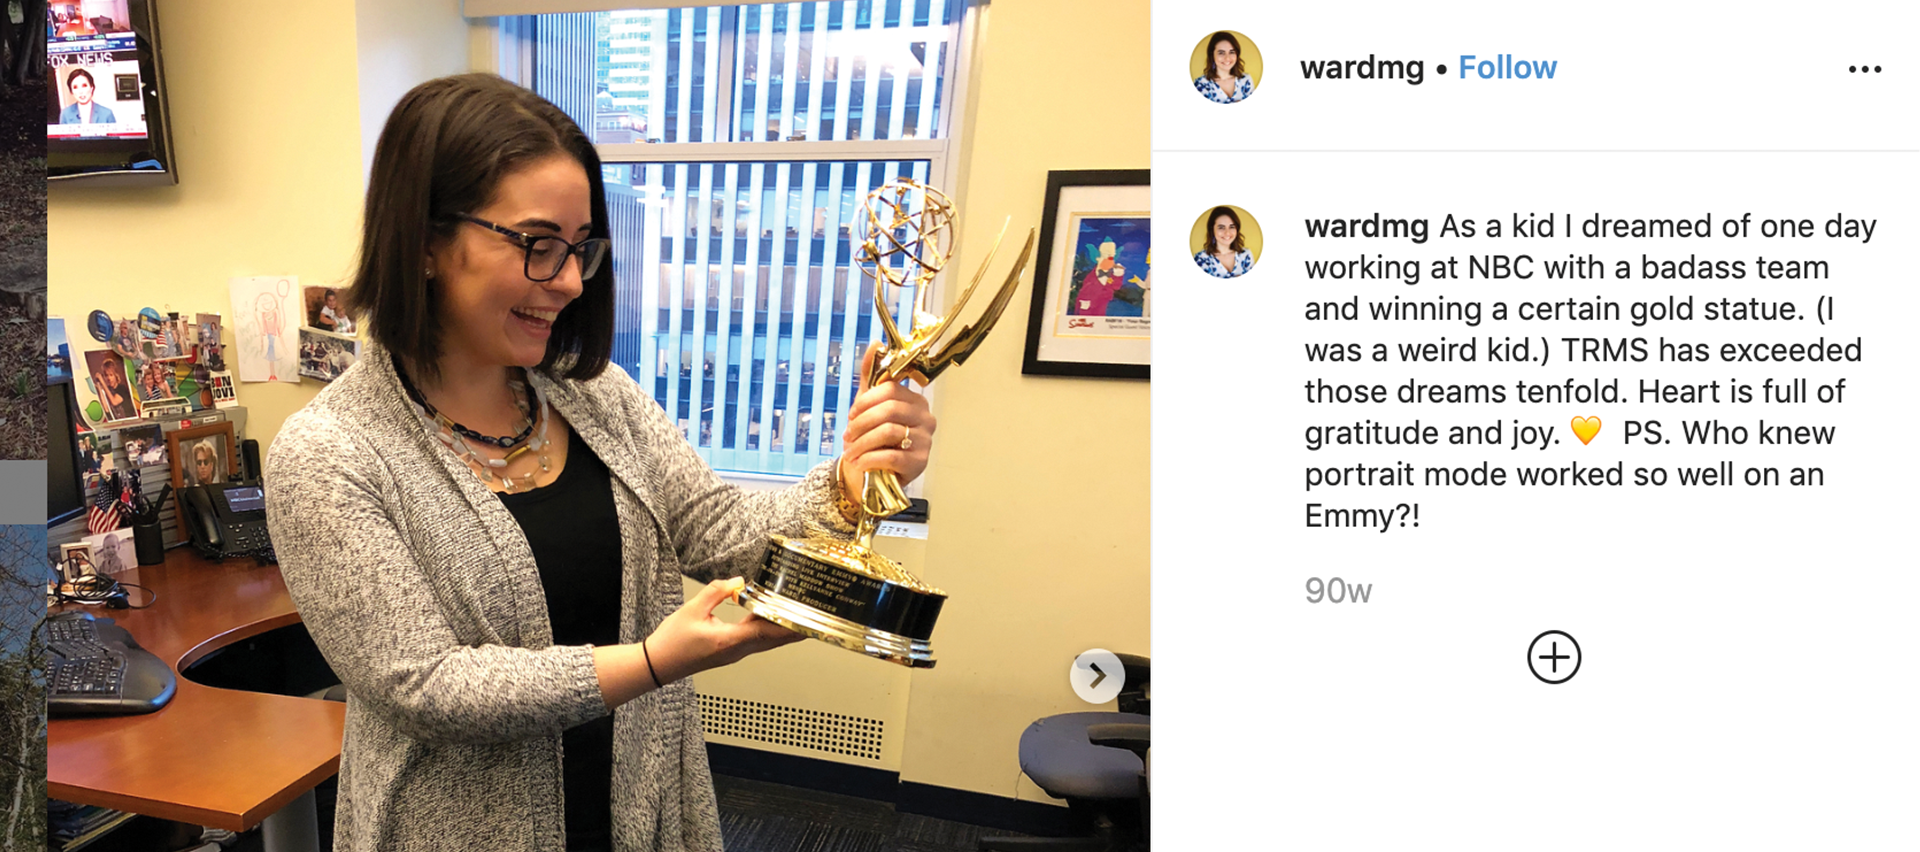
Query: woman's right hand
{"type": "Point", "coordinates": [691, 640]}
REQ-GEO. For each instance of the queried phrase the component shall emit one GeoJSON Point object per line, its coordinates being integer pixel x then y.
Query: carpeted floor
{"type": "Point", "coordinates": [757, 816]}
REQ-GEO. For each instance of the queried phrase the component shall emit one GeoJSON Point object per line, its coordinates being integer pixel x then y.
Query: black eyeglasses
{"type": "Point", "coordinates": [547, 255]}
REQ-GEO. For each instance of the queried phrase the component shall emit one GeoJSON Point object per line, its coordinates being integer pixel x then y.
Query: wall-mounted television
{"type": "Point", "coordinates": [106, 99]}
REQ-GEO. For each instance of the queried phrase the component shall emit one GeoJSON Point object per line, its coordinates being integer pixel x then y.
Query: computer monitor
{"type": "Point", "coordinates": [66, 493]}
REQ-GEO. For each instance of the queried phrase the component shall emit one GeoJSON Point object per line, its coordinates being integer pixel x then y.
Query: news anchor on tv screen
{"type": "Point", "coordinates": [83, 110]}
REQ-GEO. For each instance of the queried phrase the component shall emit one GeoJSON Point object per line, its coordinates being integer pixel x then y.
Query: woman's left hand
{"type": "Point", "coordinates": [889, 428]}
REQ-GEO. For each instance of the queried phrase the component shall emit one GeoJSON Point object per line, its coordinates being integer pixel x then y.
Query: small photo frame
{"type": "Point", "coordinates": [202, 455]}
{"type": "Point", "coordinates": [1092, 312]}
{"type": "Point", "coordinates": [325, 356]}
{"type": "Point", "coordinates": [113, 551]}
{"type": "Point", "coordinates": [76, 561]}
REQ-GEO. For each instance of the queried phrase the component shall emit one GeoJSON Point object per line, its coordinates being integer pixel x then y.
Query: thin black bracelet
{"type": "Point", "coordinates": [650, 673]}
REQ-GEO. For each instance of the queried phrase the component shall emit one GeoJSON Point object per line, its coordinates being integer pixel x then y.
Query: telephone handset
{"type": "Point", "coordinates": [226, 520]}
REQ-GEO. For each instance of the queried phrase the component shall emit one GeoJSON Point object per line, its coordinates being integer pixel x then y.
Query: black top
{"type": "Point", "coordinates": [573, 529]}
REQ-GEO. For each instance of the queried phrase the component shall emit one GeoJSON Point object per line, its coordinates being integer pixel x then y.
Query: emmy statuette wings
{"type": "Point", "coordinates": [844, 593]}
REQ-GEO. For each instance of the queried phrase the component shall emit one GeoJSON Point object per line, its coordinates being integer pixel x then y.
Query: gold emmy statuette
{"type": "Point", "coordinates": [842, 592]}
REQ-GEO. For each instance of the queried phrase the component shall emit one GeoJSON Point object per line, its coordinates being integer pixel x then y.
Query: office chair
{"type": "Point", "coordinates": [1098, 763]}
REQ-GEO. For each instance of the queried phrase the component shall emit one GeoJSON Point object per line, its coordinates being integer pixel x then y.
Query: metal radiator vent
{"type": "Point", "coordinates": [831, 733]}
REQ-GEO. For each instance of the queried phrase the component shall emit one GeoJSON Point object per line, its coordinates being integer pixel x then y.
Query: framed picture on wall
{"type": "Point", "coordinates": [1092, 312]}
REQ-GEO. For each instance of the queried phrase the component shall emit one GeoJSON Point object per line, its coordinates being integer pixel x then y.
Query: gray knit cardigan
{"type": "Point", "coordinates": [420, 589]}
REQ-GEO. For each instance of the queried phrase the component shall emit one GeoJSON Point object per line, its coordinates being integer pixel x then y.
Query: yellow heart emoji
{"type": "Point", "coordinates": [1585, 428]}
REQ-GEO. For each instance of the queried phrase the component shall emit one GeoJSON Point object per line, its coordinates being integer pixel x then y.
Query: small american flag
{"type": "Point", "coordinates": [104, 515]}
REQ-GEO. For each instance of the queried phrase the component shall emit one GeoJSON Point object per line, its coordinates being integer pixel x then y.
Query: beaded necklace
{"type": "Point", "coordinates": [519, 393]}
{"type": "Point", "coordinates": [454, 436]}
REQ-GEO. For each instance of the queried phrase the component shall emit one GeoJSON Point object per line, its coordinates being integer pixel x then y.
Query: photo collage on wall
{"type": "Point", "coordinates": [327, 343]}
{"type": "Point", "coordinates": [155, 366]}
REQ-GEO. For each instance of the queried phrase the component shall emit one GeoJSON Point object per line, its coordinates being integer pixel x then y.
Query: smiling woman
{"type": "Point", "coordinates": [1227, 70]}
{"type": "Point", "coordinates": [482, 525]}
{"type": "Point", "coordinates": [1223, 248]}
{"type": "Point", "coordinates": [500, 311]}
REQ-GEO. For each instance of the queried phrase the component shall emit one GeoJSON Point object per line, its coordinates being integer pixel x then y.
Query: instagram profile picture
{"type": "Point", "coordinates": [1225, 67]}
{"type": "Point", "coordinates": [1225, 241]}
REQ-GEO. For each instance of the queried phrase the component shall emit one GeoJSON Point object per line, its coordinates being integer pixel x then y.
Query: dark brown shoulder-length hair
{"type": "Point", "coordinates": [1239, 63]}
{"type": "Point", "coordinates": [1239, 243]}
{"type": "Point", "coordinates": [443, 152]}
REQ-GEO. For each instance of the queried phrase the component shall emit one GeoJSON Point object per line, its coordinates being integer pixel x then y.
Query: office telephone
{"type": "Point", "coordinates": [227, 520]}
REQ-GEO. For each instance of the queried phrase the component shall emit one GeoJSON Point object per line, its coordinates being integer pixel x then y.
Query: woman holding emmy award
{"type": "Point", "coordinates": [1226, 80]}
{"type": "Point", "coordinates": [485, 528]}
{"type": "Point", "coordinates": [1226, 254]}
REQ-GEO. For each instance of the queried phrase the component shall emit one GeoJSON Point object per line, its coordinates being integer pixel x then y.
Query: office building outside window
{"type": "Point", "coordinates": [739, 143]}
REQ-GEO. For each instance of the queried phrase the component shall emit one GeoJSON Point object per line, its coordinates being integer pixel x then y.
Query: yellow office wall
{"type": "Point", "coordinates": [266, 125]}
{"type": "Point", "coordinates": [402, 45]}
{"type": "Point", "coordinates": [1038, 484]}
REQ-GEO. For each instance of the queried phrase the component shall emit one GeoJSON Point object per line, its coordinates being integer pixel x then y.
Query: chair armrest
{"type": "Point", "coordinates": [1131, 736]}
{"type": "Point", "coordinates": [1138, 672]}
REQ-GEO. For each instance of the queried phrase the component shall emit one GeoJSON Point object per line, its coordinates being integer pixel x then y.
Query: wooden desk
{"type": "Point", "coordinates": [211, 757]}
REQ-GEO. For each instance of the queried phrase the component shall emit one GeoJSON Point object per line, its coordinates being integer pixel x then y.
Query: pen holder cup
{"type": "Point", "coordinates": [148, 547]}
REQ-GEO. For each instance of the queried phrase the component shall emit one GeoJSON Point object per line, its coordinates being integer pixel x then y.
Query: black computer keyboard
{"type": "Point", "coordinates": [97, 669]}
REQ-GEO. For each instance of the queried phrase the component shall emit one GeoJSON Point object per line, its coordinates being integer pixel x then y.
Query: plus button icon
{"type": "Point", "coordinates": [1548, 662]}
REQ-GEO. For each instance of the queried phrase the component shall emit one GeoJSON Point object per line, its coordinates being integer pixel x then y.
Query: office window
{"type": "Point", "coordinates": [849, 70]}
{"type": "Point", "coordinates": [740, 305]}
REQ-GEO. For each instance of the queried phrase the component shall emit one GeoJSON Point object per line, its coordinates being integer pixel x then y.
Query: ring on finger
{"type": "Point", "coordinates": [906, 440]}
